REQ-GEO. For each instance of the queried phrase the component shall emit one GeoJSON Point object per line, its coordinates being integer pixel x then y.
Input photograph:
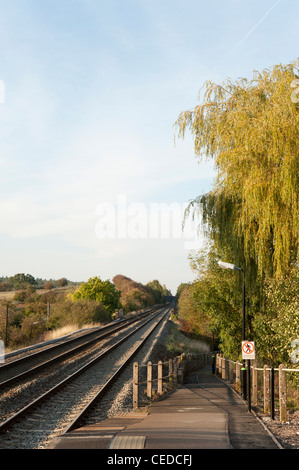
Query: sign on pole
{"type": "Point", "coordinates": [248, 350]}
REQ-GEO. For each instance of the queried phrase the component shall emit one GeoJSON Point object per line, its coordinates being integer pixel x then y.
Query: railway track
{"type": "Point", "coordinates": [29, 376]}
{"type": "Point", "coordinates": [69, 402]}
{"type": "Point", "coordinates": [29, 363]}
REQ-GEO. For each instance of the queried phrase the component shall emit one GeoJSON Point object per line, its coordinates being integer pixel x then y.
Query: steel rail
{"type": "Point", "coordinates": [76, 422]}
{"type": "Point", "coordinates": [47, 350]}
{"type": "Point", "coordinates": [23, 411]}
{"type": "Point", "coordinates": [100, 334]}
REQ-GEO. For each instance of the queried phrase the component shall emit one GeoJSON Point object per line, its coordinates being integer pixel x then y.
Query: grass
{"type": "Point", "coordinates": [10, 294]}
{"type": "Point", "coordinates": [7, 295]}
{"type": "Point", "coordinates": [54, 334]}
{"type": "Point", "coordinates": [177, 342]}
{"type": "Point", "coordinates": [63, 331]}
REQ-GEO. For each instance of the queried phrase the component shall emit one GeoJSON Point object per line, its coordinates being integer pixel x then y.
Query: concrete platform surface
{"type": "Point", "coordinates": [202, 414]}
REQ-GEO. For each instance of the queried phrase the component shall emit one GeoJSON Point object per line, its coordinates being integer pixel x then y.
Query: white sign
{"type": "Point", "coordinates": [2, 351]}
{"type": "Point", "coordinates": [248, 350]}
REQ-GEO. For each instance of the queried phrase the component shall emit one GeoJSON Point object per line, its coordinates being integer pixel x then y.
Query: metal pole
{"type": "Point", "coordinates": [243, 370]}
{"type": "Point", "coordinates": [243, 381]}
{"type": "Point", "coordinates": [248, 386]}
{"type": "Point", "coordinates": [243, 309]}
{"type": "Point", "coordinates": [213, 364]}
{"type": "Point", "coordinates": [283, 416]}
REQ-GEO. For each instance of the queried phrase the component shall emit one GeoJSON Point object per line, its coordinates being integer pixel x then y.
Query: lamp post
{"type": "Point", "coordinates": [224, 265]}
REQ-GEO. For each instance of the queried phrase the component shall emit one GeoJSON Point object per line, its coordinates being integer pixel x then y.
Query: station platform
{"type": "Point", "coordinates": [204, 413]}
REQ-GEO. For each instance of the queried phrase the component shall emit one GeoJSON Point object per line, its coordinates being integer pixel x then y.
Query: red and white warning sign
{"type": "Point", "coordinates": [248, 350]}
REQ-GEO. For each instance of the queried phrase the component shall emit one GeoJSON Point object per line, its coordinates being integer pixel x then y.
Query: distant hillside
{"type": "Point", "coordinates": [22, 281]}
{"type": "Point", "coordinates": [134, 295]}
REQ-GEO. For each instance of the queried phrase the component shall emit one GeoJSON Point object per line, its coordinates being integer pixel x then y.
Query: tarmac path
{"type": "Point", "coordinates": [244, 430]}
{"type": "Point", "coordinates": [204, 413]}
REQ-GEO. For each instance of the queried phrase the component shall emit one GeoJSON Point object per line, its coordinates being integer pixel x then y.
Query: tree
{"type": "Point", "coordinates": [21, 281]}
{"type": "Point", "coordinates": [135, 300]}
{"type": "Point", "coordinates": [62, 282]}
{"type": "Point", "coordinates": [33, 326]}
{"type": "Point", "coordinates": [102, 291]}
{"type": "Point", "coordinates": [181, 287]}
{"type": "Point", "coordinates": [81, 312]}
{"type": "Point", "coordinates": [134, 295]}
{"type": "Point", "coordinates": [277, 326]}
{"type": "Point", "coordinates": [251, 131]}
{"type": "Point", "coordinates": [156, 289]}
{"type": "Point", "coordinates": [213, 302]}
{"type": "Point", "coordinates": [49, 285]}
{"type": "Point", "coordinates": [5, 287]}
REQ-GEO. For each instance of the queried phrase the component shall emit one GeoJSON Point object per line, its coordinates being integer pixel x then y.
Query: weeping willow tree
{"type": "Point", "coordinates": [250, 129]}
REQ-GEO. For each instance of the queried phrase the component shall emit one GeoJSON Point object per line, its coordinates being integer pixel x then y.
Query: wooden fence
{"type": "Point", "coordinates": [231, 371]}
{"type": "Point", "coordinates": [156, 379]}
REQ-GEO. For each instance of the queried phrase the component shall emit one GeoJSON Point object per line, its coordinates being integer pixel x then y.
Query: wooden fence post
{"type": "Point", "coordinates": [219, 364]}
{"type": "Point", "coordinates": [170, 370]}
{"type": "Point", "coordinates": [160, 375]}
{"type": "Point", "coordinates": [149, 389]}
{"type": "Point", "coordinates": [266, 389]}
{"type": "Point", "coordinates": [135, 384]}
{"type": "Point", "coordinates": [223, 368]}
{"type": "Point", "coordinates": [282, 394]}
{"type": "Point", "coordinates": [254, 385]}
{"type": "Point", "coordinates": [175, 371]}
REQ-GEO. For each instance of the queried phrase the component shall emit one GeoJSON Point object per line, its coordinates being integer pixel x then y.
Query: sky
{"type": "Point", "coordinates": [92, 181]}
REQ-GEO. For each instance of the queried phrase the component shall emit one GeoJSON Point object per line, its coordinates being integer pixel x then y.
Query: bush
{"type": "Point", "coordinates": [5, 287]}
{"type": "Point", "coordinates": [23, 295]}
{"type": "Point", "coordinates": [135, 300]}
{"type": "Point", "coordinates": [33, 326]}
{"type": "Point", "coordinates": [100, 291]}
{"type": "Point", "coordinates": [81, 312]}
{"type": "Point", "coordinates": [277, 325]}
{"type": "Point", "coordinates": [49, 285]}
